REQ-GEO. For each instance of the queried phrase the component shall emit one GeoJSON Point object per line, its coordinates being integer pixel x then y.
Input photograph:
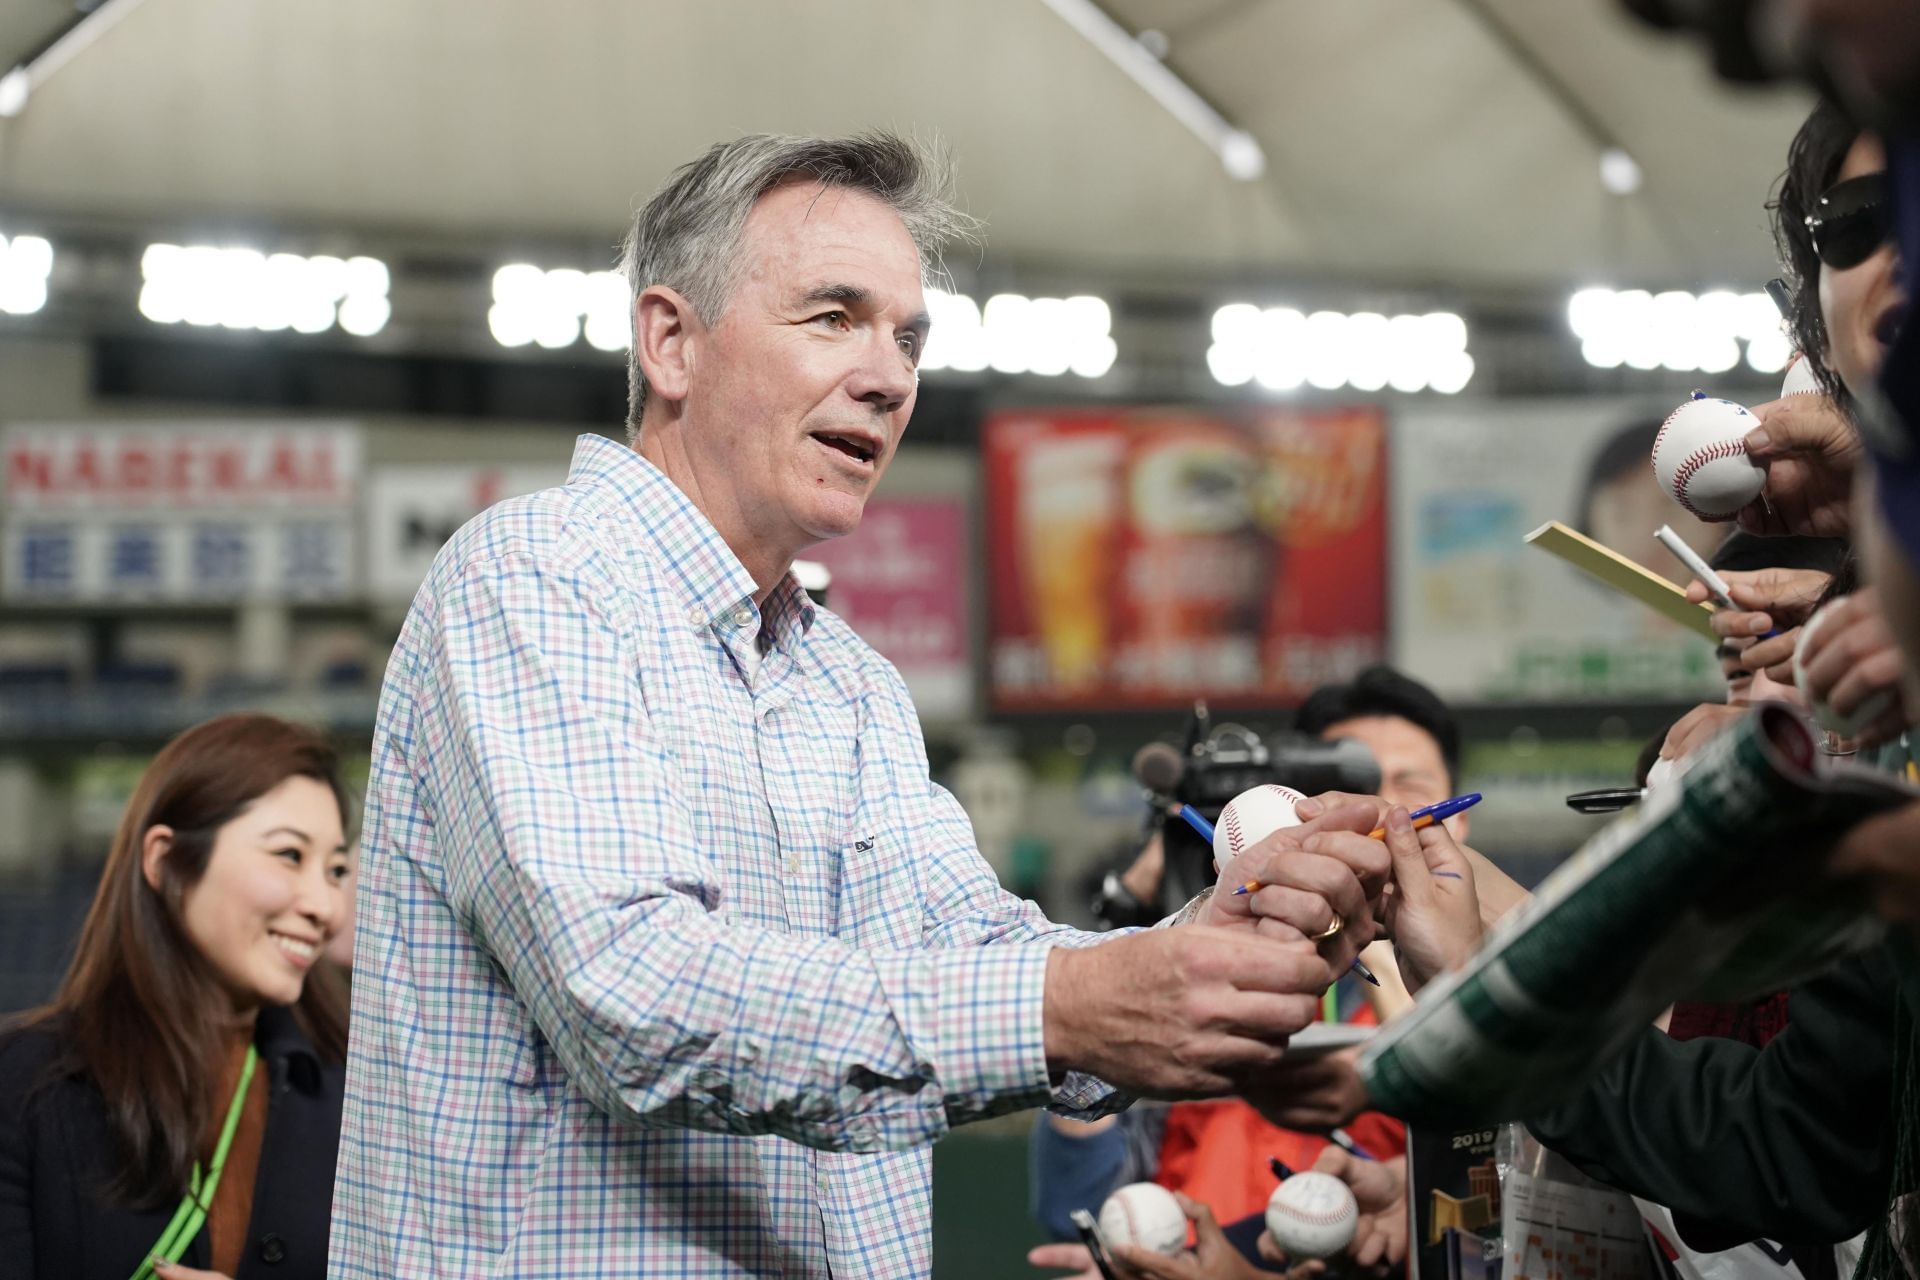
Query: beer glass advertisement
{"type": "Point", "coordinates": [1139, 559]}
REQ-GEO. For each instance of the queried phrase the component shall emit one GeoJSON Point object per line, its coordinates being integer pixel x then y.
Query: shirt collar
{"type": "Point", "coordinates": [712, 582]}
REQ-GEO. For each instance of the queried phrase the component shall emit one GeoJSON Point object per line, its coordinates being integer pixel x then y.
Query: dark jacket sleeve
{"type": "Point", "coordinates": [1794, 1140]}
{"type": "Point", "coordinates": [1069, 1172]}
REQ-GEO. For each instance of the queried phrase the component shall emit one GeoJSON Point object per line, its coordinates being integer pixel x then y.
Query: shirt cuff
{"type": "Point", "coordinates": [993, 1029]}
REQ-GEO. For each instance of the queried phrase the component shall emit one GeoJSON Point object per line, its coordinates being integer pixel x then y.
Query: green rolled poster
{"type": "Point", "coordinates": [1710, 890]}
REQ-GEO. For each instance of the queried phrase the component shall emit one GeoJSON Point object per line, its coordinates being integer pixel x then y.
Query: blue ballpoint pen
{"type": "Point", "coordinates": [1342, 1139]}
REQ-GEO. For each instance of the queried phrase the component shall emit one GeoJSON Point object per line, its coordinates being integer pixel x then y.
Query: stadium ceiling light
{"type": "Point", "coordinates": [1619, 172]}
{"type": "Point", "coordinates": [1678, 330]}
{"type": "Point", "coordinates": [1282, 349]}
{"type": "Point", "coordinates": [15, 87]}
{"type": "Point", "coordinates": [25, 264]}
{"type": "Point", "coordinates": [553, 308]}
{"type": "Point", "coordinates": [241, 288]}
{"type": "Point", "coordinates": [1240, 152]}
{"type": "Point", "coordinates": [1015, 334]}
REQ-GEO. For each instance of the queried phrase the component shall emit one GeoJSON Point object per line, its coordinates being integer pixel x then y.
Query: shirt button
{"type": "Point", "coordinates": [696, 618]}
{"type": "Point", "coordinates": [793, 865]}
{"type": "Point", "coordinates": [272, 1248]}
{"type": "Point", "coordinates": [742, 616]}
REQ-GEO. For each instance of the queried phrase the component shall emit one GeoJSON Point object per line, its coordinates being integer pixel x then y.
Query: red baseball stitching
{"type": "Point", "coordinates": [1233, 829]}
{"type": "Point", "coordinates": [1660, 436]}
{"type": "Point", "coordinates": [1133, 1228]}
{"type": "Point", "coordinates": [1328, 1219]}
{"type": "Point", "coordinates": [1698, 459]}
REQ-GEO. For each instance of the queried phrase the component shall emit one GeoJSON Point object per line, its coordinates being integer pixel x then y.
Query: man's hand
{"type": "Point", "coordinates": [1311, 1094]}
{"type": "Point", "coordinates": [1853, 659]}
{"type": "Point", "coordinates": [1380, 1190]}
{"type": "Point", "coordinates": [1067, 1257]}
{"type": "Point", "coordinates": [1885, 852]}
{"type": "Point", "coordinates": [1305, 889]}
{"type": "Point", "coordinates": [1698, 727]}
{"type": "Point", "coordinates": [1433, 913]}
{"type": "Point", "coordinates": [1213, 1257]}
{"type": "Point", "coordinates": [1810, 451]}
{"type": "Point", "coordinates": [1173, 1013]}
{"type": "Point", "coordinates": [1769, 600]}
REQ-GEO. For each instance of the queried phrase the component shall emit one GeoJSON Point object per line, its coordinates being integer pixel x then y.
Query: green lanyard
{"type": "Point", "coordinates": [192, 1213]}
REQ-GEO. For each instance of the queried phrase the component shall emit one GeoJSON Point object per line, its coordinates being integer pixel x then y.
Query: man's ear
{"type": "Point", "coordinates": [664, 329]}
{"type": "Point", "coordinates": [154, 847]}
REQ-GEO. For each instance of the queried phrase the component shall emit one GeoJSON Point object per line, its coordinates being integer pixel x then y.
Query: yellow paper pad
{"type": "Point", "coordinates": [1624, 576]}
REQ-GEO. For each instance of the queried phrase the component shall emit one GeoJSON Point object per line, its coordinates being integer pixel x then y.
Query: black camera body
{"type": "Point", "coordinates": [1217, 763]}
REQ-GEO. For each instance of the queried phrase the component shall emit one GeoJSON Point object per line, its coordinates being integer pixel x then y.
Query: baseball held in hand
{"type": "Point", "coordinates": [1875, 706]}
{"type": "Point", "coordinates": [1144, 1214]}
{"type": "Point", "coordinates": [1251, 817]}
{"type": "Point", "coordinates": [1800, 380]}
{"type": "Point", "coordinates": [1312, 1215]}
{"type": "Point", "coordinates": [1700, 457]}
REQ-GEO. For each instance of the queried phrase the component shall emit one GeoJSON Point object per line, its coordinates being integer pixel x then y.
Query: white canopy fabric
{"type": "Point", "coordinates": [1406, 142]}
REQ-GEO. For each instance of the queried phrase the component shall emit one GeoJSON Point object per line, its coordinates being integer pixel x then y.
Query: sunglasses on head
{"type": "Point", "coordinates": [1850, 221]}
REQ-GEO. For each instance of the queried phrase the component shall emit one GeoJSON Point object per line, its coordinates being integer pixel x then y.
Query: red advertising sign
{"type": "Point", "coordinates": [900, 583]}
{"type": "Point", "coordinates": [167, 466]}
{"type": "Point", "coordinates": [1143, 558]}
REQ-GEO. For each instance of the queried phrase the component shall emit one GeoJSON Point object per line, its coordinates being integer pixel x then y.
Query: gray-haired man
{"type": "Point", "coordinates": [672, 961]}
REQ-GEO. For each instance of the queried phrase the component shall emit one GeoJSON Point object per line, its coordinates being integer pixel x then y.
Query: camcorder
{"type": "Point", "coordinates": [1215, 763]}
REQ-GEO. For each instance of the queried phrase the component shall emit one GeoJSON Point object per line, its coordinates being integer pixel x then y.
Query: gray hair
{"type": "Point", "coordinates": [687, 237]}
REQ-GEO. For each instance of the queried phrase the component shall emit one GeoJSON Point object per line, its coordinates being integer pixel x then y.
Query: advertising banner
{"type": "Point", "coordinates": [1481, 616]}
{"type": "Point", "coordinates": [900, 581]}
{"type": "Point", "coordinates": [412, 508]}
{"type": "Point", "coordinates": [1144, 558]}
{"type": "Point", "coordinates": [178, 513]}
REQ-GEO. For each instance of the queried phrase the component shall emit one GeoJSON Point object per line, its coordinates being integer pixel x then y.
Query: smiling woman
{"type": "Point", "coordinates": [192, 1056]}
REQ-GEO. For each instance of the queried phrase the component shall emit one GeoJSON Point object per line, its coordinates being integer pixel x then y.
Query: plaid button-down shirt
{"type": "Point", "coordinates": [668, 963]}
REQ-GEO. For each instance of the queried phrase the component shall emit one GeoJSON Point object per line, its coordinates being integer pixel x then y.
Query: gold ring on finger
{"type": "Point", "coordinates": [1330, 930]}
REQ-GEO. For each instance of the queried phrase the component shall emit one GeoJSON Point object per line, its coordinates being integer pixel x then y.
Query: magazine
{"type": "Point", "coordinates": [1709, 891]}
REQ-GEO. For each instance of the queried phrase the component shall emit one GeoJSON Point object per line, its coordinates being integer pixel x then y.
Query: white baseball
{"type": "Point", "coordinates": [1312, 1215]}
{"type": "Point", "coordinates": [1700, 457]}
{"type": "Point", "coordinates": [1823, 713]}
{"type": "Point", "coordinates": [1800, 379]}
{"type": "Point", "coordinates": [1144, 1214]}
{"type": "Point", "coordinates": [1251, 817]}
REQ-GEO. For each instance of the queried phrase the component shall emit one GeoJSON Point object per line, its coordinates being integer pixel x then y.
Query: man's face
{"type": "Point", "coordinates": [1629, 507]}
{"type": "Point", "coordinates": [1413, 773]}
{"type": "Point", "coordinates": [797, 396]}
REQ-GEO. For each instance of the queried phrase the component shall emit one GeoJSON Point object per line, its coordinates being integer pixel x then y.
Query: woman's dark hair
{"type": "Point", "coordinates": [1813, 162]}
{"type": "Point", "coordinates": [1845, 581]}
{"type": "Point", "coordinates": [143, 1015]}
{"type": "Point", "coordinates": [1743, 552]}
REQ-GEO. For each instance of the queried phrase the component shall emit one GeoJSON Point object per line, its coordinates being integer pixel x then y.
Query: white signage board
{"type": "Point", "coordinates": [172, 512]}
